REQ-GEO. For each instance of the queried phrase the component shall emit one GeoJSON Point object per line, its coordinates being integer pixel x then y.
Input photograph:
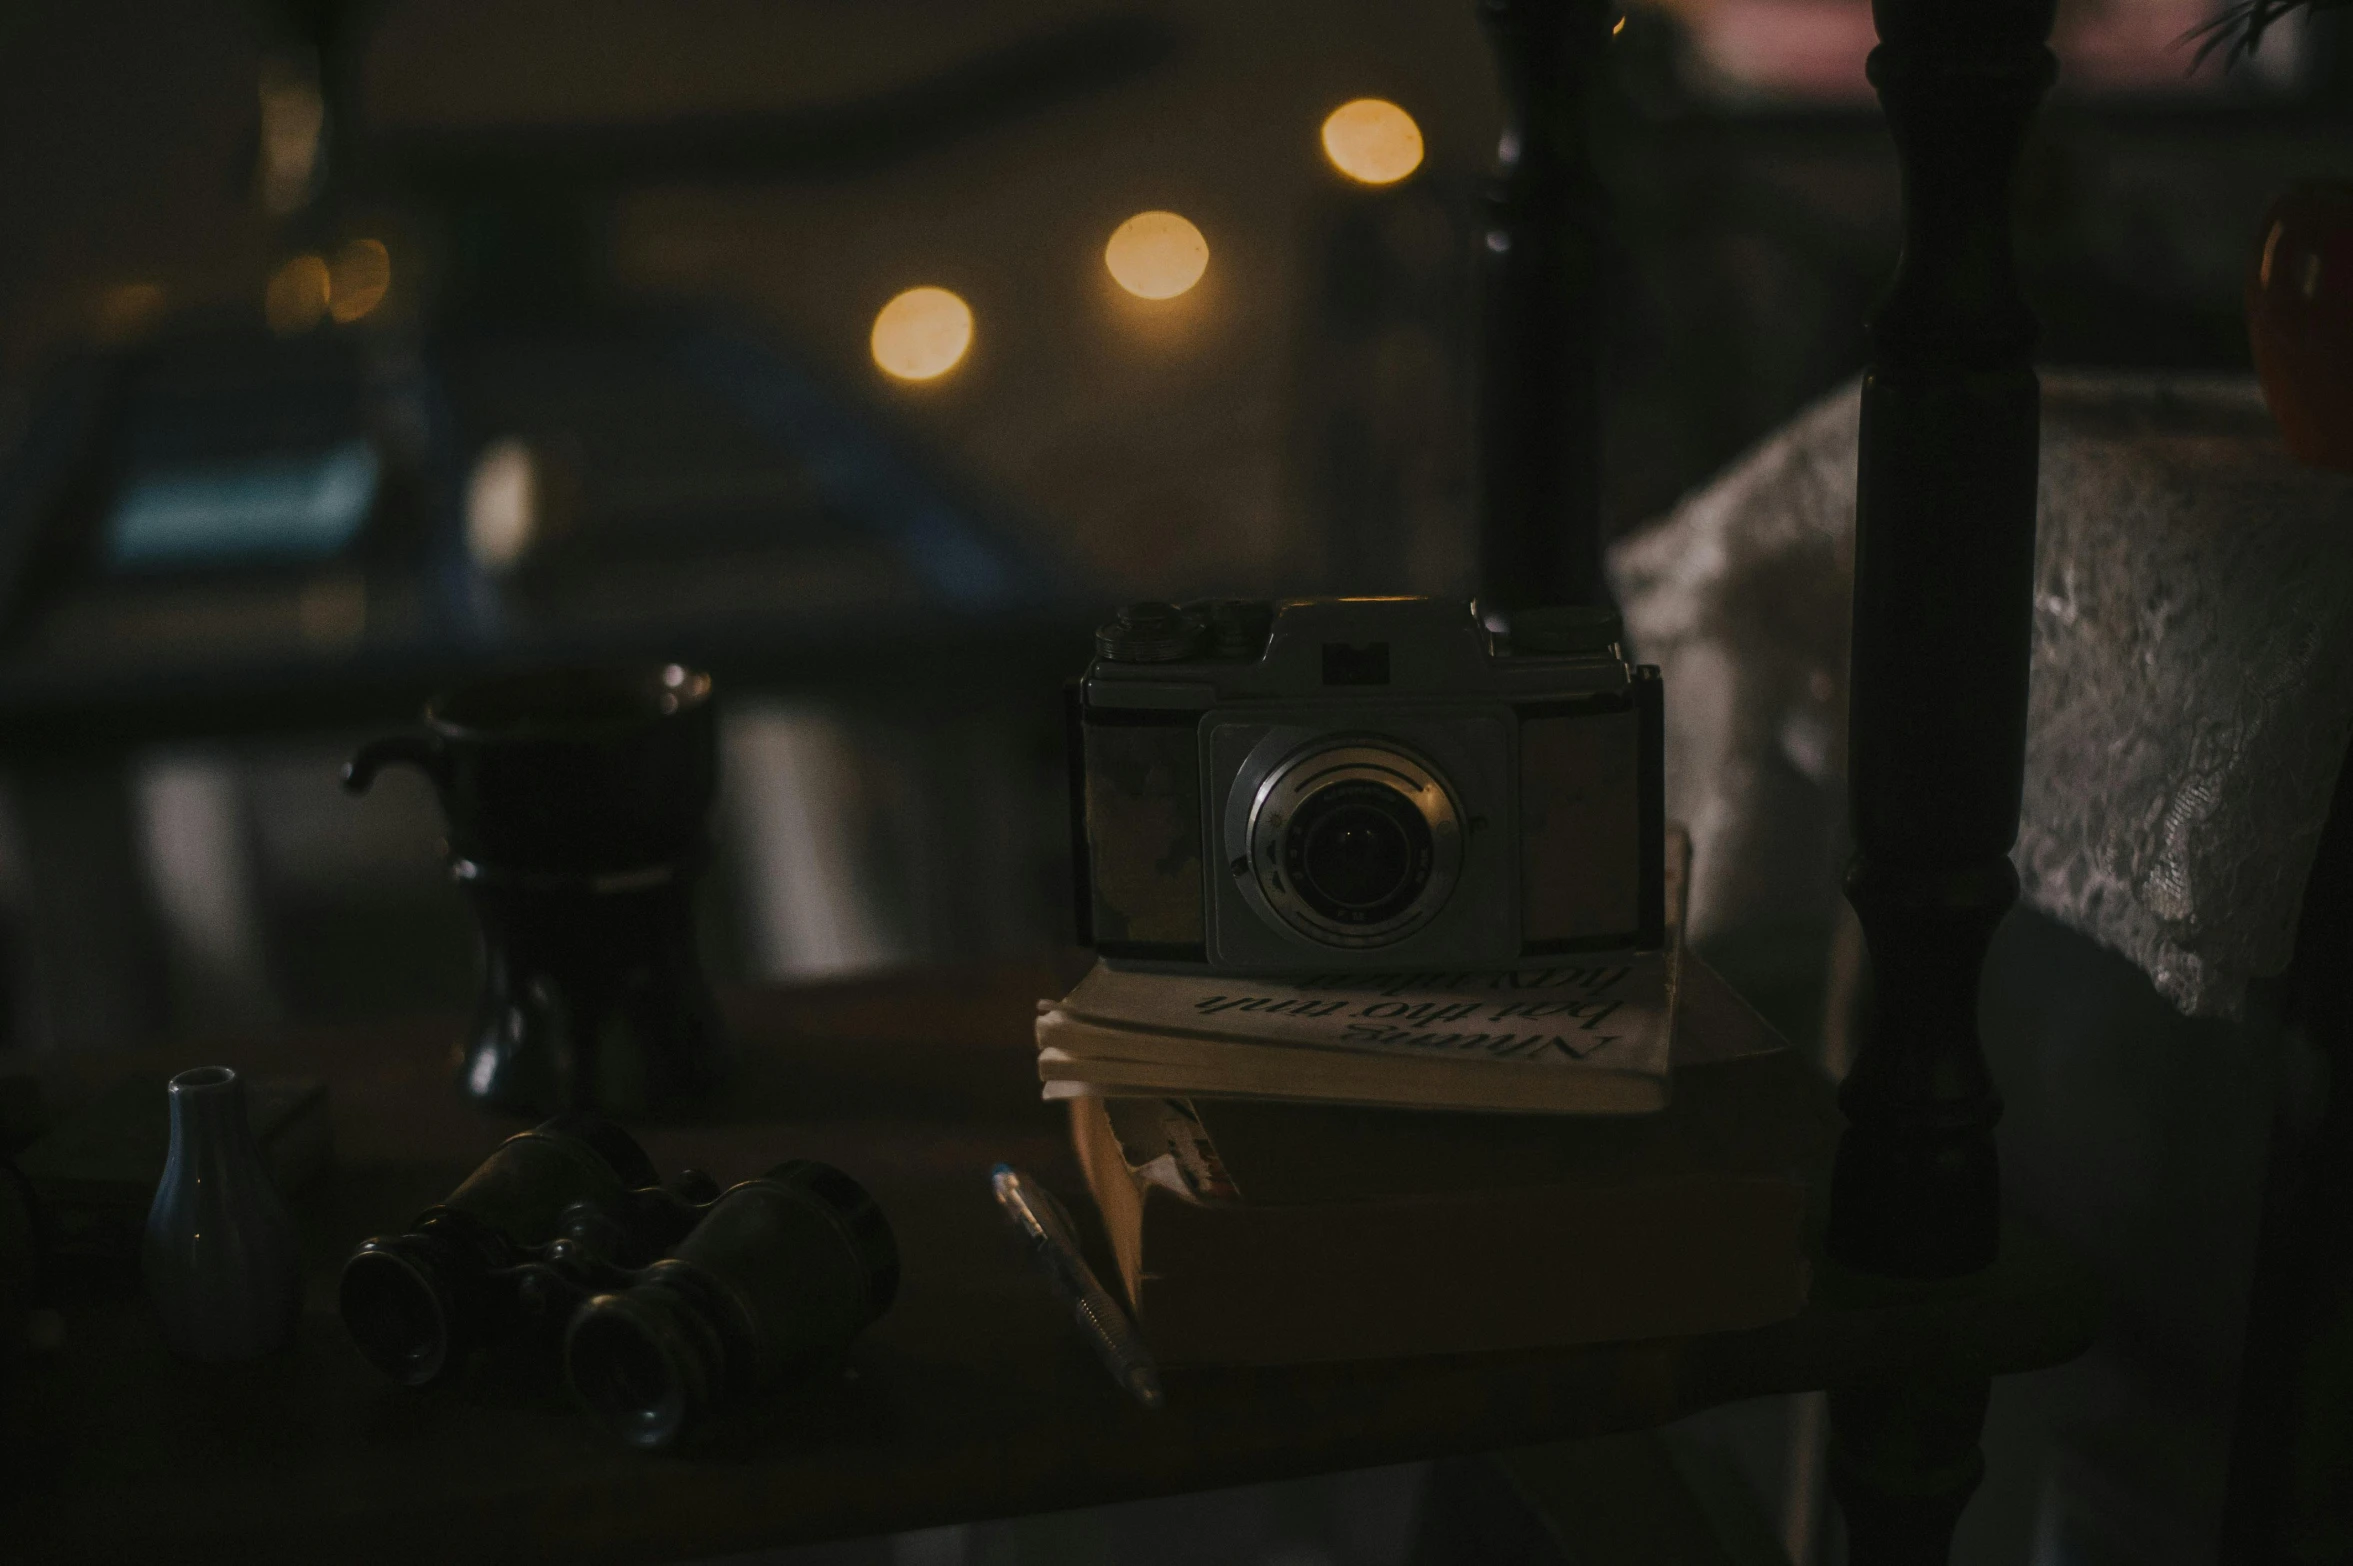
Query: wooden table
{"type": "Point", "coordinates": [973, 1398]}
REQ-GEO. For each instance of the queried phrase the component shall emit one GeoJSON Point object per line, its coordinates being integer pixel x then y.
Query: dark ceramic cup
{"type": "Point", "coordinates": [576, 802]}
{"type": "Point", "coordinates": [568, 771]}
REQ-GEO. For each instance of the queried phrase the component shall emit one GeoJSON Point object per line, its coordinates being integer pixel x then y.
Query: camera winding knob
{"type": "Point", "coordinates": [1149, 633]}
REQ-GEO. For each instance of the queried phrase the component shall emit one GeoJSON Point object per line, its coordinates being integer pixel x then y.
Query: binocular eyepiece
{"type": "Point", "coordinates": [664, 1300]}
{"type": "Point", "coordinates": [419, 1304]}
{"type": "Point", "coordinates": [782, 1272]}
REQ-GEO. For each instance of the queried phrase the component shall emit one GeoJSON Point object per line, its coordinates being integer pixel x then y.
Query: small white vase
{"type": "Point", "coordinates": [221, 1263]}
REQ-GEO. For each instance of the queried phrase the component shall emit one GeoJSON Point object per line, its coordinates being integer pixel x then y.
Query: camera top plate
{"type": "Point", "coordinates": [1346, 650]}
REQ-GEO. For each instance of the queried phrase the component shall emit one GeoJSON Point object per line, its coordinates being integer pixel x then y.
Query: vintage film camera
{"type": "Point", "coordinates": [1364, 784]}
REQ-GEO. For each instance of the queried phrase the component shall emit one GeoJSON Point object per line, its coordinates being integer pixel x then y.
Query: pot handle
{"type": "Point", "coordinates": [420, 751]}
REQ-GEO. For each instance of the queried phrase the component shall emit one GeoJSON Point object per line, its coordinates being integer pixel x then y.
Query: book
{"type": "Point", "coordinates": [95, 1173]}
{"type": "Point", "coordinates": [1253, 1232]}
{"type": "Point", "coordinates": [1584, 1035]}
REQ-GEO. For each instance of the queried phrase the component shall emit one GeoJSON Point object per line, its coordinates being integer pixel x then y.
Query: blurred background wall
{"type": "Point", "coordinates": [1169, 447]}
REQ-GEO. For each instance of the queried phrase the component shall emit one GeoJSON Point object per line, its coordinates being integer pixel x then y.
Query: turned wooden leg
{"type": "Point", "coordinates": [1944, 570]}
{"type": "Point", "coordinates": [1540, 402]}
{"type": "Point", "coordinates": [1903, 1462]}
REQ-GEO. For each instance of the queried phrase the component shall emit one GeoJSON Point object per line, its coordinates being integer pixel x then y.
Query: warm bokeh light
{"type": "Point", "coordinates": [297, 296]}
{"type": "Point", "coordinates": [1156, 255]}
{"type": "Point", "coordinates": [922, 333]}
{"type": "Point", "coordinates": [293, 115]}
{"type": "Point", "coordinates": [359, 279]}
{"type": "Point", "coordinates": [1373, 140]}
{"type": "Point", "coordinates": [502, 505]}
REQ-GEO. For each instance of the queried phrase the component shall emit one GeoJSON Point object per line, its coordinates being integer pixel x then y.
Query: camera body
{"type": "Point", "coordinates": [1364, 784]}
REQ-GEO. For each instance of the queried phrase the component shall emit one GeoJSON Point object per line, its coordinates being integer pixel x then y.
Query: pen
{"type": "Point", "coordinates": [1046, 1229]}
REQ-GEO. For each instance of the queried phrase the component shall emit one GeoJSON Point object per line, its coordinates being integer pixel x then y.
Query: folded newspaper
{"type": "Point", "coordinates": [1587, 1036]}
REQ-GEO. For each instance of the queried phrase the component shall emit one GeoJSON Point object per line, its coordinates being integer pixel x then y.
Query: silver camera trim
{"type": "Point", "coordinates": [1323, 764]}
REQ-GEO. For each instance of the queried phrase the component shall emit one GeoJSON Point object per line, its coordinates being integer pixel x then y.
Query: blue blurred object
{"type": "Point", "coordinates": [854, 467]}
{"type": "Point", "coordinates": [234, 517]}
{"type": "Point", "coordinates": [282, 506]}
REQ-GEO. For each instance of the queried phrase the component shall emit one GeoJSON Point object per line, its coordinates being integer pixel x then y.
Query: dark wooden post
{"type": "Point", "coordinates": [1944, 569]}
{"type": "Point", "coordinates": [2290, 1491]}
{"type": "Point", "coordinates": [1540, 400]}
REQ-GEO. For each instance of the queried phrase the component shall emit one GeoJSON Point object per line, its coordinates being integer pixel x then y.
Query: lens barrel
{"type": "Point", "coordinates": [781, 1273]}
{"type": "Point", "coordinates": [418, 1304]}
{"type": "Point", "coordinates": [1358, 852]}
{"type": "Point", "coordinates": [1354, 842]}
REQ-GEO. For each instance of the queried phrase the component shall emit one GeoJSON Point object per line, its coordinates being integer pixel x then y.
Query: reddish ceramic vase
{"type": "Point", "coordinates": [2300, 321]}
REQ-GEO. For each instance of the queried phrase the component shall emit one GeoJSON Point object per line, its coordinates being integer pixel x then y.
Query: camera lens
{"type": "Point", "coordinates": [1353, 842]}
{"type": "Point", "coordinates": [1358, 852]}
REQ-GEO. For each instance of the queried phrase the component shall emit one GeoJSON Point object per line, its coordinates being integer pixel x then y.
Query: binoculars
{"type": "Point", "coordinates": [664, 1300]}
